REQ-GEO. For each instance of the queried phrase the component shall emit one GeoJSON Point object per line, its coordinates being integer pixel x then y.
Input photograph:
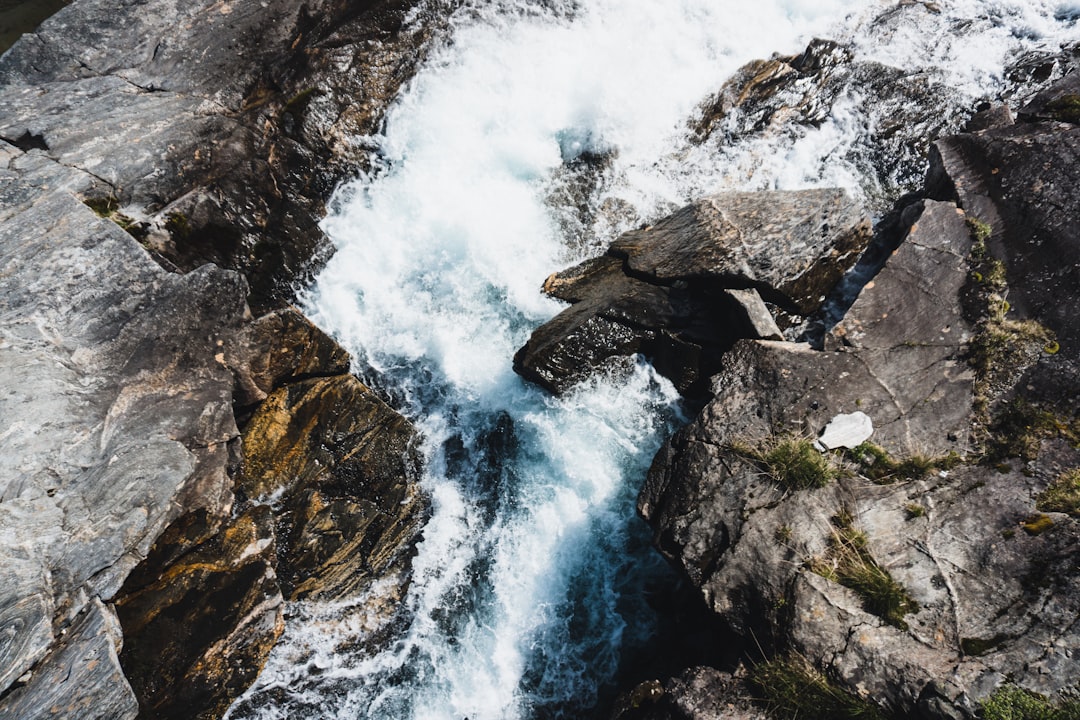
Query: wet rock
{"type": "Point", "coordinates": [785, 95]}
{"type": "Point", "coordinates": [280, 348]}
{"type": "Point", "coordinates": [345, 469]}
{"type": "Point", "coordinates": [682, 291]}
{"type": "Point", "coordinates": [198, 633]}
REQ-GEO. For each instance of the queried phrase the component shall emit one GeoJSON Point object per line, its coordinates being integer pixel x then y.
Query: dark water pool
{"type": "Point", "coordinates": [22, 16]}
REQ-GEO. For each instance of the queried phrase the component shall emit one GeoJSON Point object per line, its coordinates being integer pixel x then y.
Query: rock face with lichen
{"type": "Point", "coordinates": [160, 177]}
{"type": "Point", "coordinates": [923, 572]}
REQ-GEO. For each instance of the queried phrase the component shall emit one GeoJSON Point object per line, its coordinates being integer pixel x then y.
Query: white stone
{"type": "Point", "coordinates": [846, 431]}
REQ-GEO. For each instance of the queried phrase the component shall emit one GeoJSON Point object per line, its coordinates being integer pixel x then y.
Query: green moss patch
{"type": "Point", "coordinates": [1066, 109]}
{"type": "Point", "coordinates": [1063, 495]}
{"type": "Point", "coordinates": [1010, 702]}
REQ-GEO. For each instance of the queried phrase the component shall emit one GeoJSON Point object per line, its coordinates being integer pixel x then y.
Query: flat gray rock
{"type": "Point", "coordinates": [116, 404]}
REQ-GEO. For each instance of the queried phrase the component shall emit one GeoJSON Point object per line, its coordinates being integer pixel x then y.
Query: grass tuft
{"type": "Point", "coordinates": [793, 462]}
{"type": "Point", "coordinates": [1063, 495]}
{"type": "Point", "coordinates": [875, 463]}
{"type": "Point", "coordinates": [851, 564]}
{"type": "Point", "coordinates": [792, 688]}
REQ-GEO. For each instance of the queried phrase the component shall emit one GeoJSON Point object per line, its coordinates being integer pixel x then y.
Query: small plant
{"type": "Point", "coordinates": [980, 233]}
{"type": "Point", "coordinates": [783, 534]}
{"type": "Point", "coordinates": [914, 510]}
{"type": "Point", "coordinates": [1018, 429]}
{"type": "Point", "coordinates": [1010, 702]}
{"type": "Point", "coordinates": [1063, 495]}
{"type": "Point", "coordinates": [1037, 524]}
{"type": "Point", "coordinates": [791, 688]}
{"type": "Point", "coordinates": [851, 564]}
{"type": "Point", "coordinates": [793, 462]}
{"type": "Point", "coordinates": [108, 208]}
{"type": "Point", "coordinates": [1066, 109]}
{"type": "Point", "coordinates": [875, 464]}
{"type": "Point", "coordinates": [178, 225]}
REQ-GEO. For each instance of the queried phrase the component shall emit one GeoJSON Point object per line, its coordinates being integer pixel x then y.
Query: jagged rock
{"type": "Point", "coordinates": [954, 544]}
{"type": "Point", "coordinates": [698, 693]}
{"type": "Point", "coordinates": [117, 406]}
{"type": "Point", "coordinates": [118, 377]}
{"type": "Point", "coordinates": [198, 634]}
{"type": "Point", "coordinates": [221, 128]}
{"type": "Point", "coordinates": [80, 678]}
{"type": "Point", "coordinates": [279, 348]}
{"type": "Point", "coordinates": [906, 111]}
{"type": "Point", "coordinates": [345, 467]}
{"type": "Point", "coordinates": [683, 290]}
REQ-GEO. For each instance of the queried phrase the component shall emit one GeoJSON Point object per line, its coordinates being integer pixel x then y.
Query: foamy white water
{"type": "Point", "coordinates": [528, 581]}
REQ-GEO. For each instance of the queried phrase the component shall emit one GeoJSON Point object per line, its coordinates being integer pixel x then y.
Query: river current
{"type": "Point", "coordinates": [532, 576]}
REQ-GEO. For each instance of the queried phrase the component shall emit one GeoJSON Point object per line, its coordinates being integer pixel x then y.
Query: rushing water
{"type": "Point", "coordinates": [529, 583]}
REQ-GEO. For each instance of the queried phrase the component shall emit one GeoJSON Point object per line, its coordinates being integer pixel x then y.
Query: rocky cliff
{"type": "Point", "coordinates": [182, 452]}
{"type": "Point", "coordinates": [887, 518]}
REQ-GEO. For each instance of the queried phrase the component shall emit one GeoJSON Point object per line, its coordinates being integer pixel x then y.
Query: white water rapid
{"type": "Point", "coordinates": [529, 583]}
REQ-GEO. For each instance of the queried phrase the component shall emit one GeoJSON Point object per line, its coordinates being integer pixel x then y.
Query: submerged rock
{"type": "Point", "coordinates": [683, 290]}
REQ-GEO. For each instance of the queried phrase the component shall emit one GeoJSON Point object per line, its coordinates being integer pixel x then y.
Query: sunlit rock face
{"type": "Point", "coordinates": [684, 290]}
{"type": "Point", "coordinates": [945, 367]}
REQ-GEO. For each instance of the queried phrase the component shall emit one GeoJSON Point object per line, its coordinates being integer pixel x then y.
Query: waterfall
{"type": "Point", "coordinates": [527, 142]}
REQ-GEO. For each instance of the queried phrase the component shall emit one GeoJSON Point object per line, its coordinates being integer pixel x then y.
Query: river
{"type": "Point", "coordinates": [526, 143]}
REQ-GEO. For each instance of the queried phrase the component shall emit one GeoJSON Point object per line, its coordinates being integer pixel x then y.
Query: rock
{"type": "Point", "coordinates": [698, 693]}
{"type": "Point", "coordinates": [974, 585]}
{"type": "Point", "coordinates": [117, 405]}
{"type": "Point", "coordinates": [80, 678]}
{"type": "Point", "coordinates": [280, 348]}
{"type": "Point", "coordinates": [345, 467]}
{"type": "Point", "coordinates": [235, 120]}
{"type": "Point", "coordinates": [845, 431]}
{"type": "Point", "coordinates": [122, 352]}
{"type": "Point", "coordinates": [784, 96]}
{"type": "Point", "coordinates": [198, 634]}
{"type": "Point", "coordinates": [683, 290]}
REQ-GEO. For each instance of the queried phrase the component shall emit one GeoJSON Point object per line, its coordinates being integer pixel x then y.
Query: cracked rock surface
{"type": "Point", "coordinates": [163, 166]}
{"type": "Point", "coordinates": [984, 574]}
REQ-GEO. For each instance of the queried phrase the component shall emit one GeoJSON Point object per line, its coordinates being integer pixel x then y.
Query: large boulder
{"type": "Point", "coordinates": [928, 569]}
{"type": "Point", "coordinates": [216, 130]}
{"type": "Point", "coordinates": [683, 290]}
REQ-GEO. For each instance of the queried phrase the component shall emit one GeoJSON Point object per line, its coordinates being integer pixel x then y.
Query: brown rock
{"type": "Point", "coordinates": [345, 467]}
{"type": "Point", "coordinates": [200, 615]}
{"type": "Point", "coordinates": [279, 348]}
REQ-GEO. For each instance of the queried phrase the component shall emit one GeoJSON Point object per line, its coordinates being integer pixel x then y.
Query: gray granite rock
{"type": "Point", "coordinates": [989, 591]}
{"type": "Point", "coordinates": [117, 403]}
